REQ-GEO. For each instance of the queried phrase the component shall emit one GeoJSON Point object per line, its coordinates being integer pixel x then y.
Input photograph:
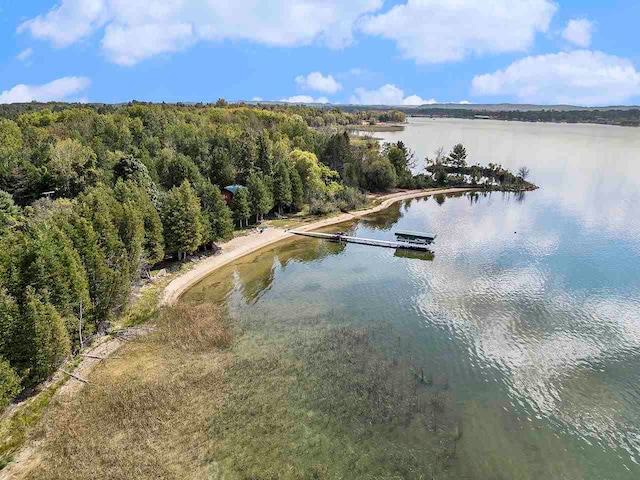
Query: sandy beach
{"type": "Point", "coordinates": [244, 245]}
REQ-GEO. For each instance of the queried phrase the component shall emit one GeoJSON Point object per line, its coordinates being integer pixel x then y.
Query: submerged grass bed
{"type": "Point", "coordinates": [328, 405]}
{"type": "Point", "coordinates": [190, 401]}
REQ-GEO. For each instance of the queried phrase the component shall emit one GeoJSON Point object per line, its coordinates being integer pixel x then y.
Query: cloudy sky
{"type": "Point", "coordinates": [358, 51]}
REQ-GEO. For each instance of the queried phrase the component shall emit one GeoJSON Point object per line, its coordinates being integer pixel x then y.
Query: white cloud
{"type": "Point", "coordinates": [305, 99]}
{"type": "Point", "coordinates": [387, 95]}
{"type": "Point", "coordinates": [134, 30]}
{"type": "Point", "coordinates": [434, 31]}
{"type": "Point", "coordinates": [58, 90]}
{"type": "Point", "coordinates": [464, 102]}
{"type": "Point", "coordinates": [580, 77]}
{"type": "Point", "coordinates": [317, 81]}
{"type": "Point", "coordinates": [25, 54]}
{"type": "Point", "coordinates": [578, 32]}
{"type": "Point", "coordinates": [68, 22]}
{"type": "Point", "coordinates": [257, 99]}
{"type": "Point", "coordinates": [132, 44]}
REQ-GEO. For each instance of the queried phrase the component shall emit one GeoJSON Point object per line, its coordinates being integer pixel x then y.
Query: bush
{"type": "Point", "coordinates": [349, 198]}
{"type": "Point", "coordinates": [321, 204]}
{"type": "Point", "coordinates": [423, 181]}
{"type": "Point", "coordinates": [9, 384]}
{"type": "Point", "coordinates": [380, 176]}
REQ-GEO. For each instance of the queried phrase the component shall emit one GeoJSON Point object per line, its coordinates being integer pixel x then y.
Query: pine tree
{"type": "Point", "coordinates": [282, 187]}
{"type": "Point", "coordinates": [297, 190]}
{"type": "Point", "coordinates": [181, 217]}
{"type": "Point", "coordinates": [458, 156]}
{"type": "Point", "coordinates": [240, 207]}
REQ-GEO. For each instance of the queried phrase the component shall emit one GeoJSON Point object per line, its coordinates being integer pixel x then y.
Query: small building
{"type": "Point", "coordinates": [230, 191]}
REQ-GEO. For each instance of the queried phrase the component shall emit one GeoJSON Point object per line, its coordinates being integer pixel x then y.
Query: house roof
{"type": "Point", "coordinates": [234, 188]}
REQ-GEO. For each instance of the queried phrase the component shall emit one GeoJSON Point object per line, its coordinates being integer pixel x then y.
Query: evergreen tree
{"type": "Point", "coordinates": [129, 193]}
{"type": "Point", "coordinates": [240, 207]}
{"type": "Point", "coordinates": [42, 258]}
{"type": "Point", "coordinates": [221, 170]}
{"type": "Point", "coordinates": [244, 157]}
{"type": "Point", "coordinates": [264, 154]}
{"type": "Point", "coordinates": [297, 190]}
{"type": "Point", "coordinates": [181, 217]}
{"type": "Point", "coordinates": [216, 215]}
{"type": "Point", "coordinates": [174, 168]}
{"type": "Point", "coordinates": [260, 200]}
{"type": "Point", "coordinates": [458, 156]}
{"type": "Point", "coordinates": [132, 169]}
{"type": "Point", "coordinates": [10, 214]}
{"type": "Point", "coordinates": [108, 225]}
{"type": "Point", "coordinates": [282, 187]}
{"type": "Point", "coordinates": [9, 384]}
{"type": "Point", "coordinates": [337, 152]}
{"type": "Point", "coordinates": [13, 339]}
{"type": "Point", "coordinates": [50, 339]}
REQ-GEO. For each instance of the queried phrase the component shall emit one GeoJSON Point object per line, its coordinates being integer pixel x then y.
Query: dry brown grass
{"type": "Point", "coordinates": [144, 416]}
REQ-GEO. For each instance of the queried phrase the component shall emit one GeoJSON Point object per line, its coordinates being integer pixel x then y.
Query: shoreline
{"type": "Point", "coordinates": [26, 456]}
{"type": "Point", "coordinates": [241, 246]}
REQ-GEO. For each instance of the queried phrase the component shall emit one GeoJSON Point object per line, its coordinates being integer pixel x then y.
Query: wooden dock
{"type": "Point", "coordinates": [336, 237]}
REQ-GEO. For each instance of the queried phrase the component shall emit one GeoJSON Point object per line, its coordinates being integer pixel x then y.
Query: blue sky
{"type": "Point", "coordinates": [357, 51]}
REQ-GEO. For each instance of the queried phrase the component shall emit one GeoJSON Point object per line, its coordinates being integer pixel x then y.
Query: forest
{"type": "Point", "coordinates": [92, 197]}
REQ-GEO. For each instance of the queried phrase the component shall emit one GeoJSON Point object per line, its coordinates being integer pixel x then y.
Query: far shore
{"type": "Point", "coordinates": [244, 245]}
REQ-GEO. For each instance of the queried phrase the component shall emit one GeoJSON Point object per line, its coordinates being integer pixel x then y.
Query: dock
{"type": "Point", "coordinates": [337, 237]}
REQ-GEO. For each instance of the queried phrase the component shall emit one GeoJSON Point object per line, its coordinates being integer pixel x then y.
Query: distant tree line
{"type": "Point", "coordinates": [622, 117]}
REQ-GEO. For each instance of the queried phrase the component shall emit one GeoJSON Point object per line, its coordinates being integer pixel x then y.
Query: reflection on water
{"type": "Point", "coordinates": [427, 255]}
{"type": "Point", "coordinates": [530, 307]}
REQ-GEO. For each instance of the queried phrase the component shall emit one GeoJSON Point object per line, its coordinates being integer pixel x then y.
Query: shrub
{"type": "Point", "coordinates": [321, 206]}
{"type": "Point", "coordinates": [380, 176]}
{"type": "Point", "coordinates": [349, 198]}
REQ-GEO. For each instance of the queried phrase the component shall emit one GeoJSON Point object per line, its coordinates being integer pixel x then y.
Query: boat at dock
{"type": "Point", "coordinates": [341, 237]}
{"type": "Point", "coordinates": [419, 238]}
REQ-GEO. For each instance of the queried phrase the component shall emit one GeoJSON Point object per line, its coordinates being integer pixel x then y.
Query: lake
{"type": "Point", "coordinates": [529, 306]}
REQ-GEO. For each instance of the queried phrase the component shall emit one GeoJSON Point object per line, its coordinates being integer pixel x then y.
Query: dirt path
{"type": "Point", "coordinates": [240, 246]}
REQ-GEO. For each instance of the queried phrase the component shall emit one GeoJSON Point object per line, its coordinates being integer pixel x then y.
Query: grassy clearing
{"type": "Point", "coordinates": [145, 416]}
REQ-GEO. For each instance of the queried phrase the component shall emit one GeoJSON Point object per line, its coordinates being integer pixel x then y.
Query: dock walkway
{"type": "Point", "coordinates": [362, 241]}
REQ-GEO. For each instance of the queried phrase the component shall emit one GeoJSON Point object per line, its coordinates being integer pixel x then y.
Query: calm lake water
{"type": "Point", "coordinates": [530, 306]}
